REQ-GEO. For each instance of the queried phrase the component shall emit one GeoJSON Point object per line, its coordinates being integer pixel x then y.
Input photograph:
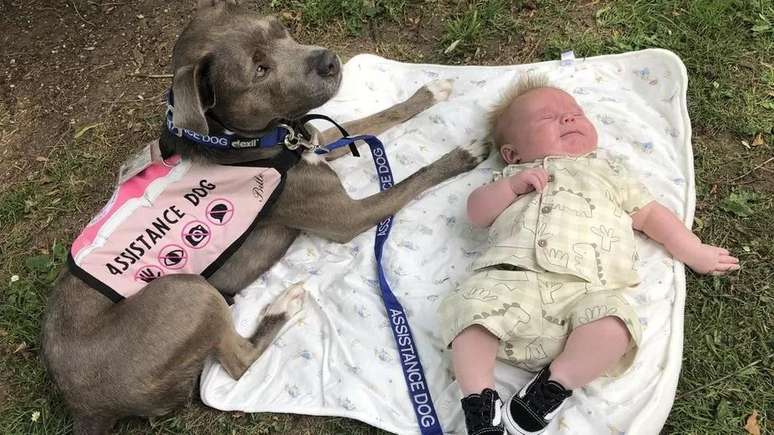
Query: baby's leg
{"type": "Point", "coordinates": [591, 349]}
{"type": "Point", "coordinates": [486, 306]}
{"type": "Point", "coordinates": [474, 352]}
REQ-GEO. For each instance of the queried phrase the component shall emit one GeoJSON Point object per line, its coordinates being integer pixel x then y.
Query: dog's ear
{"type": "Point", "coordinates": [193, 96]}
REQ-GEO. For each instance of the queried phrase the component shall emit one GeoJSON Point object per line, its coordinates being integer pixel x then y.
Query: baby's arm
{"type": "Point", "coordinates": [663, 226]}
{"type": "Point", "coordinates": [488, 201]}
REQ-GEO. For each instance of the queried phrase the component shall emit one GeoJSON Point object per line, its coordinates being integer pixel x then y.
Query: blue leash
{"type": "Point", "coordinates": [414, 374]}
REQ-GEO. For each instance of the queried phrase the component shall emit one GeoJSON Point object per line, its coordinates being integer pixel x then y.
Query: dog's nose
{"type": "Point", "coordinates": [325, 63]}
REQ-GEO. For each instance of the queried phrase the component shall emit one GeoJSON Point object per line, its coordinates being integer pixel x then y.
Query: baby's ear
{"type": "Point", "coordinates": [509, 153]}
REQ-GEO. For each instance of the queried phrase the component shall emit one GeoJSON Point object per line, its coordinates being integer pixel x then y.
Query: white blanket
{"type": "Point", "coordinates": [338, 357]}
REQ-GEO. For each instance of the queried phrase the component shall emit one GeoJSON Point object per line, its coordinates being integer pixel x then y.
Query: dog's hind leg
{"type": "Point", "coordinates": [142, 356]}
{"type": "Point", "coordinates": [237, 353]}
{"type": "Point", "coordinates": [424, 98]}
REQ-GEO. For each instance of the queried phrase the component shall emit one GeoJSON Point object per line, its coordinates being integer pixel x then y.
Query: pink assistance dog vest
{"type": "Point", "coordinates": [171, 218]}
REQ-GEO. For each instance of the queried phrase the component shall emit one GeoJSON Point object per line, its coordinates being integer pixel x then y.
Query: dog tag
{"type": "Point", "coordinates": [138, 162]}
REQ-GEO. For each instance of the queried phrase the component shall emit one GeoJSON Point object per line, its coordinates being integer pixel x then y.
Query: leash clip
{"type": "Point", "coordinates": [293, 141]}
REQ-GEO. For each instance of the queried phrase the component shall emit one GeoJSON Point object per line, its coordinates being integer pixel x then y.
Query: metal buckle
{"type": "Point", "coordinates": [292, 141]}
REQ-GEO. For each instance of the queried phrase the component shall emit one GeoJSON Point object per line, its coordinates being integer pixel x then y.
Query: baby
{"type": "Point", "coordinates": [548, 294]}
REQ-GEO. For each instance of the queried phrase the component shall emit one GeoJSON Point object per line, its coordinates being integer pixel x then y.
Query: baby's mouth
{"type": "Point", "coordinates": [569, 133]}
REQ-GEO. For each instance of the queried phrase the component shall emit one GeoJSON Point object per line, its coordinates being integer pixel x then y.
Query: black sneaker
{"type": "Point", "coordinates": [530, 410]}
{"type": "Point", "coordinates": [483, 413]}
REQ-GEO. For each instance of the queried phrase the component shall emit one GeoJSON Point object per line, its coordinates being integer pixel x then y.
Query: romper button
{"type": "Point", "coordinates": [542, 243]}
{"type": "Point", "coordinates": [546, 210]}
{"type": "Point", "coordinates": [551, 178]}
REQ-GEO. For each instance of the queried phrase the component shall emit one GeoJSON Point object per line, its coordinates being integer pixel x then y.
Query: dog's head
{"type": "Point", "coordinates": [241, 71]}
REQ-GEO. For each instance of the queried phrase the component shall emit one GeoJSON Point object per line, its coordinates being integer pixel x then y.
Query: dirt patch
{"type": "Point", "coordinates": [69, 64]}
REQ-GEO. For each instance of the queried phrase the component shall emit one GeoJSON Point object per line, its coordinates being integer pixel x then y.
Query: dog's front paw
{"type": "Point", "coordinates": [440, 89]}
{"type": "Point", "coordinates": [427, 96]}
{"type": "Point", "coordinates": [288, 303]}
{"type": "Point", "coordinates": [463, 158]}
{"type": "Point", "coordinates": [477, 149]}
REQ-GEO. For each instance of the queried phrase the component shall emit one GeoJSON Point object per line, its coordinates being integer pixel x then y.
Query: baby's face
{"type": "Point", "coordinates": [545, 122]}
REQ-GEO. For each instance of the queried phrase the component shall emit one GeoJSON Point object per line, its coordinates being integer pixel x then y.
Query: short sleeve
{"type": "Point", "coordinates": [634, 195]}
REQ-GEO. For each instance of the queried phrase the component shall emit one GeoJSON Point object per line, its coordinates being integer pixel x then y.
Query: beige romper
{"type": "Point", "coordinates": [557, 260]}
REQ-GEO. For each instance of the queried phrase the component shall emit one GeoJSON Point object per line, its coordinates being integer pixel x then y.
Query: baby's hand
{"type": "Point", "coordinates": [529, 180]}
{"type": "Point", "coordinates": [708, 259]}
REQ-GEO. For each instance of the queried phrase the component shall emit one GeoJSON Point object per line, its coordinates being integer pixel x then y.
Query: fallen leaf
{"type": "Point", "coordinates": [83, 130]}
{"type": "Point", "coordinates": [752, 426]}
{"type": "Point", "coordinates": [758, 140]}
{"type": "Point", "coordinates": [20, 348]}
{"type": "Point", "coordinates": [41, 159]}
{"type": "Point", "coordinates": [452, 46]}
{"type": "Point", "coordinates": [739, 203]}
{"type": "Point", "coordinates": [698, 224]}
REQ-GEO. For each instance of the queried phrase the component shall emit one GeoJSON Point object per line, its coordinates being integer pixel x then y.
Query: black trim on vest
{"type": "Point", "coordinates": [282, 162]}
{"type": "Point", "coordinates": [92, 282]}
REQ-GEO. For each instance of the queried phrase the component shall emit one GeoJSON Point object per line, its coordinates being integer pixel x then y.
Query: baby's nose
{"type": "Point", "coordinates": [567, 117]}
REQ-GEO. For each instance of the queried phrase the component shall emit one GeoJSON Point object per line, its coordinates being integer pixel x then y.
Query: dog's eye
{"type": "Point", "coordinates": [261, 71]}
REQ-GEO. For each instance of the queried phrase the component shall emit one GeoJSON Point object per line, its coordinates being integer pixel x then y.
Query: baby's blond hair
{"type": "Point", "coordinates": [517, 88]}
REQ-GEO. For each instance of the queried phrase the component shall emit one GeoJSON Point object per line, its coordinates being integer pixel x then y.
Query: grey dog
{"type": "Point", "coordinates": [142, 356]}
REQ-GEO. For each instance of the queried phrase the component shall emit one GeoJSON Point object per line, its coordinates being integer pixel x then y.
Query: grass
{"type": "Point", "coordinates": [728, 48]}
{"type": "Point", "coordinates": [728, 329]}
{"type": "Point", "coordinates": [33, 215]}
{"type": "Point", "coordinates": [354, 14]}
{"type": "Point", "coordinates": [479, 19]}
